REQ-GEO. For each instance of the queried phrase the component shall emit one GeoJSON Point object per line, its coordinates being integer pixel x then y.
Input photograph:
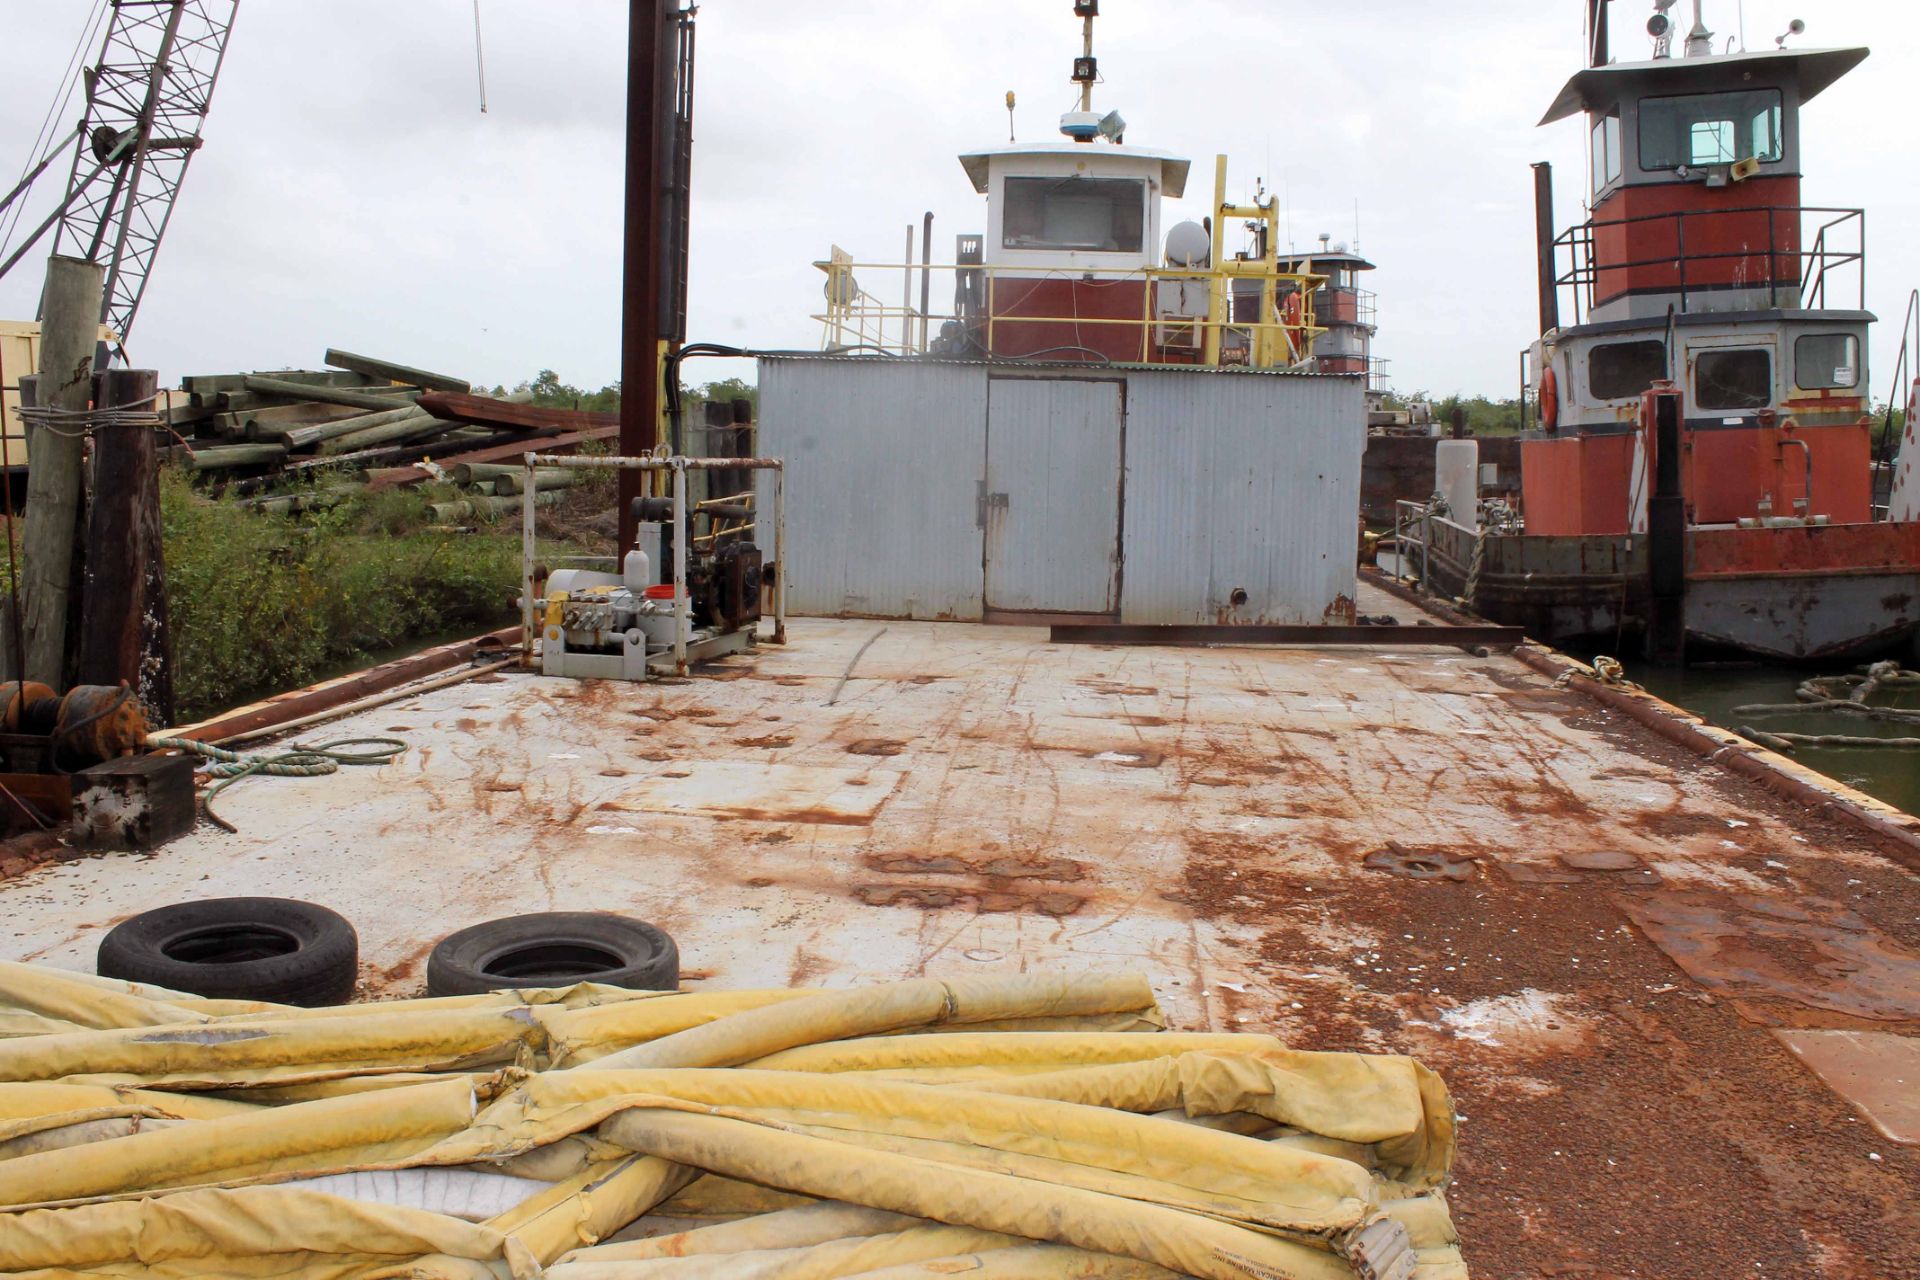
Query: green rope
{"type": "Point", "coordinates": [296, 762]}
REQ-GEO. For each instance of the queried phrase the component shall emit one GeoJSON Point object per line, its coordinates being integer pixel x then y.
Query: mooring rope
{"type": "Point", "coordinates": [296, 761]}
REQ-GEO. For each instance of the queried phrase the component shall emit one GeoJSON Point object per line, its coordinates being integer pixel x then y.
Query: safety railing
{"type": "Point", "coordinates": [1805, 248]}
{"type": "Point", "coordinates": [992, 301]}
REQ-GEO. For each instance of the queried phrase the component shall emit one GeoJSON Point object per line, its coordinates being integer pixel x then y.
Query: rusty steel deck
{"type": "Point", "coordinates": [1628, 964]}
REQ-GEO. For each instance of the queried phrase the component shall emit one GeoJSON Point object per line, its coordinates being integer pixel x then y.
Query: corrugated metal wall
{"type": "Point", "coordinates": [1240, 483]}
{"type": "Point", "coordinates": [883, 484]}
{"type": "Point", "coordinates": [1234, 483]}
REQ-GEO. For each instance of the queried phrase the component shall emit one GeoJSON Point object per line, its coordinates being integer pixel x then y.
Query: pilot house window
{"type": "Point", "coordinates": [1101, 215]}
{"type": "Point", "coordinates": [1606, 152]}
{"type": "Point", "coordinates": [1826, 361]}
{"type": "Point", "coordinates": [1616, 370]}
{"type": "Point", "coordinates": [1733, 378]}
{"type": "Point", "coordinates": [1710, 128]}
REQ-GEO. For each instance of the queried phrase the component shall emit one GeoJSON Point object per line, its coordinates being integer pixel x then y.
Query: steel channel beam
{"type": "Point", "coordinates": [1465, 637]}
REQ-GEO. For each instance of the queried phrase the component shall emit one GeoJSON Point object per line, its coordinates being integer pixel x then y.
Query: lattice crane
{"type": "Point", "coordinates": [146, 98]}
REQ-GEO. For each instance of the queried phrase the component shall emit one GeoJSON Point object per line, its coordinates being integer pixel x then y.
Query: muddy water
{"type": "Point", "coordinates": [1713, 692]}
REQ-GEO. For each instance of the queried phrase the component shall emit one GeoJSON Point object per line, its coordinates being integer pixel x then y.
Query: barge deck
{"type": "Point", "coordinates": [1616, 952]}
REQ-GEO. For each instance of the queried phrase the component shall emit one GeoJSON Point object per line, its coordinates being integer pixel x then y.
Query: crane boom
{"type": "Point", "coordinates": [146, 99]}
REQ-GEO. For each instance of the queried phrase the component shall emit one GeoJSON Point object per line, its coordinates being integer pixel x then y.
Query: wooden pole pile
{"type": "Point", "coordinates": [360, 419]}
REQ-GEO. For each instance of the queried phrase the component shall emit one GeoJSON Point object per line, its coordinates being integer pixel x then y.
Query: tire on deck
{"type": "Point", "coordinates": [554, 949]}
{"type": "Point", "coordinates": [273, 949]}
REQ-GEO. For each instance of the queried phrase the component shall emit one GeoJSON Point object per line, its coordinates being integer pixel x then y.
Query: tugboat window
{"type": "Point", "coordinates": [1103, 215]}
{"type": "Point", "coordinates": [1824, 361]}
{"type": "Point", "coordinates": [1734, 378]}
{"type": "Point", "coordinates": [1617, 370]}
{"type": "Point", "coordinates": [1710, 128]}
{"type": "Point", "coordinates": [1606, 152]}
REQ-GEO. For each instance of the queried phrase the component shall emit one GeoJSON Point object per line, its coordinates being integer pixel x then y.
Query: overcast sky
{"type": "Point", "coordinates": [351, 193]}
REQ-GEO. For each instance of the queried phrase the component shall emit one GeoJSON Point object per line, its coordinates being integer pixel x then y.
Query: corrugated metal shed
{"type": "Point", "coordinates": [957, 489]}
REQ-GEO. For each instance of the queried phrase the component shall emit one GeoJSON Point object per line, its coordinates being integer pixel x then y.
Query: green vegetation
{"type": "Point", "coordinates": [1485, 416]}
{"type": "Point", "coordinates": [547, 389]}
{"type": "Point", "coordinates": [260, 603]}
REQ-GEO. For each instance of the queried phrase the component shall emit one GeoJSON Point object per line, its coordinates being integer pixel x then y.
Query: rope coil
{"type": "Point", "coordinates": [297, 761]}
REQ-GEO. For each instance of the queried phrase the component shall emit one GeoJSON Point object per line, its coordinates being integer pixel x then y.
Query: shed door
{"type": "Point", "coordinates": [1052, 500]}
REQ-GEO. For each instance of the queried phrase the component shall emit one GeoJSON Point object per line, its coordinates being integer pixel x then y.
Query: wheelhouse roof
{"type": "Point", "coordinates": [1598, 88]}
{"type": "Point", "coordinates": [1173, 169]}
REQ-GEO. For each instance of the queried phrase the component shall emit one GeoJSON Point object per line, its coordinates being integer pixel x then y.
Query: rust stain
{"type": "Point", "coordinates": [1115, 688]}
{"type": "Point", "coordinates": [876, 747]}
{"type": "Point", "coordinates": [987, 902]}
{"type": "Point", "coordinates": [816, 816]}
{"type": "Point", "coordinates": [769, 741]}
{"type": "Point", "coordinates": [1006, 867]}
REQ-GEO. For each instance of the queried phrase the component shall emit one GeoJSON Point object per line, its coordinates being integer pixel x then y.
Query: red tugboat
{"type": "Point", "coordinates": [1700, 472]}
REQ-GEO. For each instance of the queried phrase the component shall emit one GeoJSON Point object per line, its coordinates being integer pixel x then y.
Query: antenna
{"type": "Point", "coordinates": [1356, 224]}
{"type": "Point", "coordinates": [1086, 68]}
{"type": "Point", "coordinates": [1286, 203]}
{"type": "Point", "coordinates": [1009, 112]}
{"type": "Point", "coordinates": [479, 57]}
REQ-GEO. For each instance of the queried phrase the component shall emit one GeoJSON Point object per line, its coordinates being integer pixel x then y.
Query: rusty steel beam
{"type": "Point", "coordinates": [1465, 637]}
{"type": "Point", "coordinates": [490, 412]}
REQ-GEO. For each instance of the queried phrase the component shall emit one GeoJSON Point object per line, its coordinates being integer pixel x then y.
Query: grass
{"type": "Point", "coordinates": [260, 603]}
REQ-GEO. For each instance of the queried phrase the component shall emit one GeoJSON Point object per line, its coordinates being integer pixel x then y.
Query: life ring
{"type": "Point", "coordinates": [1549, 400]}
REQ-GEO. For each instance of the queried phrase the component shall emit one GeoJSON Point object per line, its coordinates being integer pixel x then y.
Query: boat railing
{"type": "Point", "coordinates": [1184, 315]}
{"type": "Point", "coordinates": [1811, 251]}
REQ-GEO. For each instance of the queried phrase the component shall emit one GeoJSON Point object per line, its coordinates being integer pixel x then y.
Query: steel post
{"type": "Point", "coordinates": [526, 576]}
{"type": "Point", "coordinates": [1543, 245]}
{"type": "Point", "coordinates": [780, 555]}
{"type": "Point", "coordinates": [682, 598]}
{"type": "Point", "coordinates": [650, 47]}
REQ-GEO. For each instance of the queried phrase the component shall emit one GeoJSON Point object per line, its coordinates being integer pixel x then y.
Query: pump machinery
{"type": "Point", "coordinates": [596, 624]}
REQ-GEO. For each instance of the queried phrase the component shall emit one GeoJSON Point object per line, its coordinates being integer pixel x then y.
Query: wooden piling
{"type": "Point", "coordinates": [69, 332]}
{"type": "Point", "coordinates": [123, 614]}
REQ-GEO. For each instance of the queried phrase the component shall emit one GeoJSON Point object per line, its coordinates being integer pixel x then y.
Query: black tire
{"type": "Point", "coordinates": [554, 949]}
{"type": "Point", "coordinates": [238, 949]}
